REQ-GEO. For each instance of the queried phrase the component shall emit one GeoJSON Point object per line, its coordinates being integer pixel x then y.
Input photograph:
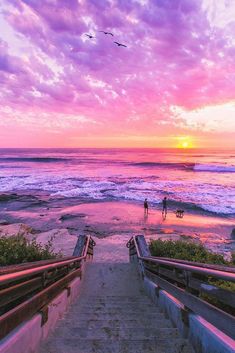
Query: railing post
{"type": "Point", "coordinates": [143, 246]}
{"type": "Point", "coordinates": [143, 250]}
{"type": "Point", "coordinates": [79, 248]}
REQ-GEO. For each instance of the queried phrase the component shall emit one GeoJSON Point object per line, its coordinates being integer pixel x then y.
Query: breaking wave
{"type": "Point", "coordinates": [164, 165]}
{"type": "Point", "coordinates": [202, 183]}
{"type": "Point", "coordinates": [189, 166]}
{"type": "Point", "coordinates": [214, 168]}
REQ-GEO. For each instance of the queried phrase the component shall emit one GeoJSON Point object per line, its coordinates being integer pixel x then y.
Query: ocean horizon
{"type": "Point", "coordinates": [201, 179]}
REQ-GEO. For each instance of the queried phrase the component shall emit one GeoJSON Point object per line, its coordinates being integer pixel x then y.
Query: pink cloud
{"type": "Point", "coordinates": [174, 57]}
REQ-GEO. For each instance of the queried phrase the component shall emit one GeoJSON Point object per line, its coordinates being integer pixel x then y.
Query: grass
{"type": "Point", "coordinates": [17, 249]}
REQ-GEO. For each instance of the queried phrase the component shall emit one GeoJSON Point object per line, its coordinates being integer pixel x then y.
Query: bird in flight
{"type": "Point", "coordinates": [109, 33]}
{"type": "Point", "coordinates": [120, 45]}
{"type": "Point", "coordinates": [89, 36]}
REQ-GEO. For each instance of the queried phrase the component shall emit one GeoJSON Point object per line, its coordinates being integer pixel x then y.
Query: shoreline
{"type": "Point", "coordinates": [41, 196]}
{"type": "Point", "coordinates": [103, 219]}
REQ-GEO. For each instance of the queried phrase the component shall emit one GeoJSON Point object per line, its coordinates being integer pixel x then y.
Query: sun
{"type": "Point", "coordinates": [184, 142]}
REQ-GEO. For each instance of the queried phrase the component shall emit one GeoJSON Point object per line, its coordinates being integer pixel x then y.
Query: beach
{"type": "Point", "coordinates": [66, 192]}
{"type": "Point", "coordinates": [107, 219]}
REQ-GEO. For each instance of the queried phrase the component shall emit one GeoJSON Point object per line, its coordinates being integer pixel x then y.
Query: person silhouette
{"type": "Point", "coordinates": [164, 207]}
{"type": "Point", "coordinates": [146, 207]}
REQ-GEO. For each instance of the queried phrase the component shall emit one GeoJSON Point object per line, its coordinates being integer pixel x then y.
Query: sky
{"type": "Point", "coordinates": [173, 85]}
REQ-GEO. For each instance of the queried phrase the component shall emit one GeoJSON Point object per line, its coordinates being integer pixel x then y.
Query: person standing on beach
{"type": "Point", "coordinates": [146, 207]}
{"type": "Point", "coordinates": [164, 207]}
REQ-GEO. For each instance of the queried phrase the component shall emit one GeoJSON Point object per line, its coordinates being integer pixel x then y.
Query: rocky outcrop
{"type": "Point", "coordinates": [62, 241]}
{"type": "Point", "coordinates": [10, 230]}
{"type": "Point", "coordinates": [3, 222]}
{"type": "Point", "coordinates": [7, 197]}
{"type": "Point", "coordinates": [68, 217]}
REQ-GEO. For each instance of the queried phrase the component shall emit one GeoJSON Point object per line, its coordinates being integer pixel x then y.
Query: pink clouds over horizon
{"type": "Point", "coordinates": [175, 78]}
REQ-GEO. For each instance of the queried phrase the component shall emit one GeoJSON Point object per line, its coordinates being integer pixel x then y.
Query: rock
{"type": "Point", "coordinates": [165, 231]}
{"type": "Point", "coordinates": [62, 240]}
{"type": "Point", "coordinates": [233, 234]}
{"type": "Point", "coordinates": [115, 219]}
{"type": "Point", "coordinates": [3, 222]}
{"type": "Point", "coordinates": [8, 197]}
{"type": "Point", "coordinates": [67, 217]}
{"type": "Point", "coordinates": [10, 230]}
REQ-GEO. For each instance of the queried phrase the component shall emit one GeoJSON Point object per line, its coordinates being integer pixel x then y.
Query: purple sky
{"type": "Point", "coordinates": [174, 82]}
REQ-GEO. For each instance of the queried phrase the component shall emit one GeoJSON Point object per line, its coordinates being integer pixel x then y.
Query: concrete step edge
{"type": "Point", "coordinates": [136, 323]}
{"type": "Point", "coordinates": [122, 316]}
{"type": "Point", "coordinates": [152, 341]}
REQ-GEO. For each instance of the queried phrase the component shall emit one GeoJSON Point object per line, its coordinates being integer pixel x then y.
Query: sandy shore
{"type": "Point", "coordinates": [120, 219]}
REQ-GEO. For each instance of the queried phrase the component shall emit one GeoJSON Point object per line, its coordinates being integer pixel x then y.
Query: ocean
{"type": "Point", "coordinates": [191, 179]}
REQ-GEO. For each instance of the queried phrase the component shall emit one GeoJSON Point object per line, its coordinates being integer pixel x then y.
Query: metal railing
{"type": "Point", "coordinates": [27, 289]}
{"type": "Point", "coordinates": [197, 286]}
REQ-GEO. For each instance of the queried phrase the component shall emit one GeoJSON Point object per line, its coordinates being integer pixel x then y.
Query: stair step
{"type": "Point", "coordinates": [117, 324]}
{"type": "Point", "coordinates": [115, 316]}
{"type": "Point", "coordinates": [108, 333]}
{"type": "Point", "coordinates": [72, 345]}
{"type": "Point", "coordinates": [117, 309]}
{"type": "Point", "coordinates": [120, 298]}
{"type": "Point", "coordinates": [117, 303]}
{"type": "Point", "coordinates": [113, 306]}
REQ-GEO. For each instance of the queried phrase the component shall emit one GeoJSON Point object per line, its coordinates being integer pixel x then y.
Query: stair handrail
{"type": "Point", "coordinates": [186, 282]}
{"type": "Point", "coordinates": [25, 292]}
{"type": "Point", "coordinates": [27, 265]}
{"type": "Point", "coordinates": [40, 268]}
{"type": "Point", "coordinates": [189, 266]}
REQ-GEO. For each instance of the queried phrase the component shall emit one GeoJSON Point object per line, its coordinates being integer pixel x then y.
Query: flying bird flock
{"type": "Point", "coordinates": [90, 36]}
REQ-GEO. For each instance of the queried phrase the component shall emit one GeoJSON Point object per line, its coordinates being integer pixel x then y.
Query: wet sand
{"type": "Point", "coordinates": [119, 219]}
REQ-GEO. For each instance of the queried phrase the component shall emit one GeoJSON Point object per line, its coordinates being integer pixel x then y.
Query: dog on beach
{"type": "Point", "coordinates": [179, 213]}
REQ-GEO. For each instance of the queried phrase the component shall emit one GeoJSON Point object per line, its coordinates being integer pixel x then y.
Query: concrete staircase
{"type": "Point", "coordinates": [114, 315]}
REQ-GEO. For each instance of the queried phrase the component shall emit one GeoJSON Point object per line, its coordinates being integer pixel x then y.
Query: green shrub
{"type": "Point", "coordinates": [17, 249]}
{"type": "Point", "coordinates": [198, 253]}
{"type": "Point", "coordinates": [185, 251]}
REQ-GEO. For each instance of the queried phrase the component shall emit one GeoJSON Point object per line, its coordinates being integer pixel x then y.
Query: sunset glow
{"type": "Point", "coordinates": [184, 142]}
{"type": "Point", "coordinates": [175, 77]}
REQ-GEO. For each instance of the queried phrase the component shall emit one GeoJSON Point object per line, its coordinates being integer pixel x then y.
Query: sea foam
{"type": "Point", "coordinates": [214, 168]}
